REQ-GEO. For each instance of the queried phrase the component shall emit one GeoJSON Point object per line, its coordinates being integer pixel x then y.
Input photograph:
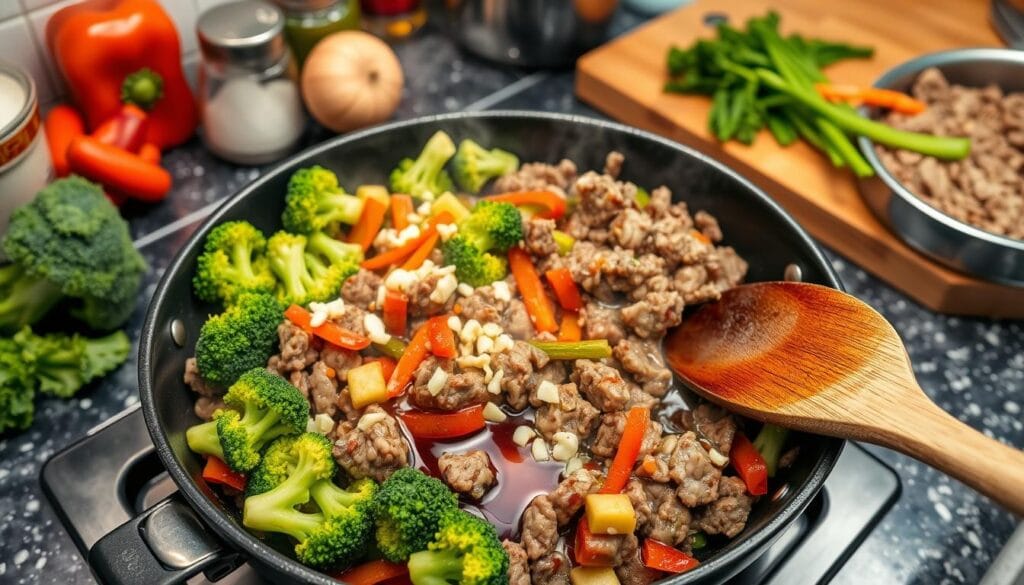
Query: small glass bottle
{"type": "Point", "coordinates": [308, 21]}
{"type": "Point", "coordinates": [393, 19]}
{"type": "Point", "coordinates": [250, 103]}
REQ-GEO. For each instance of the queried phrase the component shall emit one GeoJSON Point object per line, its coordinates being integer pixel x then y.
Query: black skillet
{"type": "Point", "coordinates": [196, 530]}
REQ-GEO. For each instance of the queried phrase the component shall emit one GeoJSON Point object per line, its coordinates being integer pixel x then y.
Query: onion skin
{"type": "Point", "coordinates": [351, 80]}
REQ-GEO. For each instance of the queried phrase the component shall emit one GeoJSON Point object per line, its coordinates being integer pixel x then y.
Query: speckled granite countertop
{"type": "Point", "coordinates": [938, 531]}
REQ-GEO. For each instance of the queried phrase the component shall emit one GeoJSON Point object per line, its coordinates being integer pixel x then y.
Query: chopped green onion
{"type": "Point", "coordinates": [590, 349]}
{"type": "Point", "coordinates": [642, 197]}
{"type": "Point", "coordinates": [564, 242]}
{"type": "Point", "coordinates": [769, 444]}
{"type": "Point", "coordinates": [698, 540]}
{"type": "Point", "coordinates": [394, 348]}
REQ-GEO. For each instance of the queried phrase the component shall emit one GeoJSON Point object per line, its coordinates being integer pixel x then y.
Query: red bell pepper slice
{"type": "Point", "coordinates": [749, 465]}
{"type": "Point", "coordinates": [401, 207]}
{"type": "Point", "coordinates": [553, 204]}
{"type": "Point", "coordinates": [329, 332]}
{"type": "Point", "coordinates": [660, 556]}
{"type": "Point", "coordinates": [372, 573]}
{"type": "Point", "coordinates": [629, 449]}
{"type": "Point", "coordinates": [370, 221]}
{"type": "Point", "coordinates": [395, 312]}
{"type": "Point", "coordinates": [565, 289]}
{"type": "Point", "coordinates": [387, 365]}
{"type": "Point", "coordinates": [216, 471]}
{"type": "Point", "coordinates": [415, 353]}
{"type": "Point", "coordinates": [442, 338]}
{"type": "Point", "coordinates": [429, 425]}
{"type": "Point", "coordinates": [126, 129]}
{"type": "Point", "coordinates": [592, 550]}
{"type": "Point", "coordinates": [538, 305]}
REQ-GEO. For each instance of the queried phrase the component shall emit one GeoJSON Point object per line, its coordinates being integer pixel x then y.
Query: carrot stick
{"type": "Point", "coordinates": [62, 125]}
{"type": "Point", "coordinates": [421, 253]}
{"type": "Point", "coordinates": [538, 305]}
{"type": "Point", "coordinates": [401, 207]}
{"type": "Point", "coordinates": [398, 254]}
{"type": "Point", "coordinates": [415, 353]}
{"type": "Point", "coordinates": [871, 96]}
{"type": "Point", "coordinates": [150, 153]}
{"type": "Point", "coordinates": [570, 330]}
{"type": "Point", "coordinates": [369, 223]}
{"type": "Point", "coordinates": [117, 169]}
{"type": "Point", "coordinates": [629, 448]}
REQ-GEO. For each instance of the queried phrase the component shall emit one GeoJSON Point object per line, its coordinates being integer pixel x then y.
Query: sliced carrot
{"type": "Point", "coordinates": [370, 221]}
{"type": "Point", "coordinates": [118, 170]}
{"type": "Point", "coordinates": [628, 450]}
{"type": "Point", "coordinates": [401, 207]}
{"type": "Point", "coordinates": [150, 153]}
{"type": "Point", "coordinates": [416, 259]}
{"type": "Point", "coordinates": [62, 125]}
{"type": "Point", "coordinates": [538, 305]}
{"type": "Point", "coordinates": [553, 205]}
{"type": "Point", "coordinates": [565, 288]}
{"type": "Point", "coordinates": [329, 332]}
{"type": "Point", "coordinates": [396, 255]}
{"type": "Point", "coordinates": [871, 96]}
{"type": "Point", "coordinates": [442, 338]}
{"type": "Point", "coordinates": [415, 353]}
{"type": "Point", "coordinates": [395, 312]}
{"type": "Point", "coordinates": [570, 329]}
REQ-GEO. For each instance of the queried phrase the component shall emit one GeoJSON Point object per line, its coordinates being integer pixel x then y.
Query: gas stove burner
{"type": "Point", "coordinates": [125, 477]}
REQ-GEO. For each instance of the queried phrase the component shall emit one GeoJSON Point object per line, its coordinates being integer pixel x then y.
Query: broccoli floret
{"type": "Point", "coordinates": [261, 406]}
{"type": "Point", "coordinates": [17, 385]}
{"type": "Point", "coordinates": [769, 444]}
{"type": "Point", "coordinates": [315, 202]}
{"type": "Point", "coordinates": [241, 338]}
{"type": "Point", "coordinates": [330, 533]}
{"type": "Point", "coordinates": [407, 510]}
{"type": "Point", "coordinates": [474, 165]}
{"type": "Point", "coordinates": [471, 265]}
{"type": "Point", "coordinates": [64, 364]}
{"type": "Point", "coordinates": [69, 243]}
{"type": "Point", "coordinates": [492, 226]}
{"type": "Point", "coordinates": [340, 254]}
{"type": "Point", "coordinates": [305, 277]}
{"type": "Point", "coordinates": [425, 177]}
{"type": "Point", "coordinates": [232, 262]}
{"type": "Point", "coordinates": [465, 551]}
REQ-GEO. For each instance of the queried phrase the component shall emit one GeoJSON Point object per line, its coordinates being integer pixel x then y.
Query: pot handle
{"type": "Point", "coordinates": [164, 545]}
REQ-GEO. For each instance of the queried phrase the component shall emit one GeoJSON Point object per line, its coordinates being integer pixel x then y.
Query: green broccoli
{"type": "Point", "coordinates": [425, 177]}
{"type": "Point", "coordinates": [64, 364]}
{"type": "Point", "coordinates": [344, 255]}
{"type": "Point", "coordinates": [465, 551]}
{"type": "Point", "coordinates": [769, 444]}
{"type": "Point", "coordinates": [261, 406]}
{"type": "Point", "coordinates": [474, 165]}
{"type": "Point", "coordinates": [241, 338]}
{"type": "Point", "coordinates": [315, 202]}
{"type": "Point", "coordinates": [17, 385]}
{"type": "Point", "coordinates": [333, 530]}
{"type": "Point", "coordinates": [407, 510]}
{"type": "Point", "coordinates": [304, 278]}
{"type": "Point", "coordinates": [69, 243]}
{"type": "Point", "coordinates": [471, 265]}
{"type": "Point", "coordinates": [232, 262]}
{"type": "Point", "coordinates": [491, 226]}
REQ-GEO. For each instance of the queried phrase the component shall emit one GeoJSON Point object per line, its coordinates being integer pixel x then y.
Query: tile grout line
{"type": "Point", "coordinates": [483, 103]}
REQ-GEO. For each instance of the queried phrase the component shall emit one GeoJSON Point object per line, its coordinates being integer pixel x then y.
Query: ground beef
{"type": "Point", "coordinates": [604, 271]}
{"type": "Point", "coordinates": [601, 384]}
{"type": "Point", "coordinates": [613, 164]}
{"type": "Point", "coordinates": [341, 360]}
{"type": "Point", "coordinates": [600, 198]}
{"type": "Point", "coordinates": [637, 397]}
{"type": "Point", "coordinates": [420, 303]}
{"type": "Point", "coordinates": [728, 514]}
{"type": "Point", "coordinates": [691, 469]}
{"type": "Point", "coordinates": [655, 314]}
{"type": "Point", "coordinates": [713, 423]}
{"type": "Point", "coordinates": [609, 434]}
{"type": "Point", "coordinates": [552, 569]}
{"type": "Point", "coordinates": [555, 373]}
{"type": "Point", "coordinates": [205, 406]}
{"type": "Point", "coordinates": [351, 318]}
{"type": "Point", "coordinates": [614, 549]}
{"type": "Point", "coordinates": [538, 176]}
{"type": "Point", "coordinates": [601, 322]}
{"type": "Point", "coordinates": [707, 224]}
{"type": "Point", "coordinates": [540, 528]}
{"type": "Point", "coordinates": [323, 390]}
{"type": "Point", "coordinates": [634, 572]}
{"type": "Point", "coordinates": [519, 366]}
{"type": "Point", "coordinates": [655, 465]}
{"type": "Point", "coordinates": [631, 230]}
{"type": "Point", "coordinates": [300, 379]}
{"type": "Point", "coordinates": [360, 289]}
{"type": "Point", "coordinates": [568, 498]}
{"type": "Point", "coordinates": [197, 383]}
{"type": "Point", "coordinates": [376, 452]}
{"type": "Point", "coordinates": [468, 473]}
{"type": "Point", "coordinates": [518, 567]}
{"type": "Point", "coordinates": [297, 352]}
{"type": "Point", "coordinates": [672, 239]}
{"type": "Point", "coordinates": [485, 307]}
{"type": "Point", "coordinates": [462, 387]}
{"type": "Point", "coordinates": [572, 414]}
{"type": "Point", "coordinates": [668, 520]}
{"type": "Point", "coordinates": [728, 269]}
{"type": "Point", "coordinates": [642, 359]}
{"type": "Point", "coordinates": [537, 235]}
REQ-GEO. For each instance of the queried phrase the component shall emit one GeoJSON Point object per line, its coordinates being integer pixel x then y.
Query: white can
{"type": "Point", "coordinates": [25, 165]}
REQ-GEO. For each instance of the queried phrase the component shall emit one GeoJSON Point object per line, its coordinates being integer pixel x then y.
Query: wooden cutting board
{"type": "Point", "coordinates": [624, 79]}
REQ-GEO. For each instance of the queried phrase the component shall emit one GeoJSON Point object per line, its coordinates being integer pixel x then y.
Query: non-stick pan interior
{"type": "Point", "coordinates": [755, 226]}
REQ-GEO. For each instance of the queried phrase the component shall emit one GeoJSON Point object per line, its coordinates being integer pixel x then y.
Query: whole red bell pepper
{"type": "Point", "coordinates": [99, 44]}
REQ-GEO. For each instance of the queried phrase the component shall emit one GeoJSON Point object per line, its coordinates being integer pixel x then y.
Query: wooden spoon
{"type": "Point", "coordinates": [815, 359]}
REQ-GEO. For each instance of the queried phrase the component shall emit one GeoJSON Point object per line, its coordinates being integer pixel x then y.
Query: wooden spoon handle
{"type": "Point", "coordinates": [931, 435]}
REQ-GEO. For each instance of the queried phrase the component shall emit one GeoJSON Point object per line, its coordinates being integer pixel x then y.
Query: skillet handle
{"type": "Point", "coordinates": [164, 545]}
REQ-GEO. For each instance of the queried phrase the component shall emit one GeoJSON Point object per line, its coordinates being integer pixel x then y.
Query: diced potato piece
{"type": "Point", "coordinates": [610, 514]}
{"type": "Point", "coordinates": [378, 192]}
{"type": "Point", "coordinates": [366, 384]}
{"type": "Point", "coordinates": [450, 203]}
{"type": "Point", "coordinates": [593, 576]}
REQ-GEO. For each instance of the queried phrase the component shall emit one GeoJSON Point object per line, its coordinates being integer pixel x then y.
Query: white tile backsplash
{"type": "Point", "coordinates": [9, 8]}
{"type": "Point", "coordinates": [18, 46]}
{"type": "Point", "coordinates": [205, 5]}
{"type": "Point", "coordinates": [30, 5]}
{"type": "Point", "coordinates": [184, 14]}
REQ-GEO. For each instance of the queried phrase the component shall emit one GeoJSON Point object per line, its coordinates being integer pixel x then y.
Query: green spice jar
{"type": "Point", "coordinates": [308, 21]}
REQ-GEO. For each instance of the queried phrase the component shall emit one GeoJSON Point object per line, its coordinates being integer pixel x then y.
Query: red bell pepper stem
{"type": "Point", "coordinates": [553, 204]}
{"type": "Point", "coordinates": [749, 465]}
{"type": "Point", "coordinates": [415, 353]}
{"type": "Point", "coordinates": [372, 573]}
{"type": "Point", "coordinates": [395, 312]}
{"type": "Point", "coordinates": [429, 425]}
{"type": "Point", "coordinates": [662, 557]}
{"type": "Point", "coordinates": [565, 288]}
{"type": "Point", "coordinates": [538, 305]}
{"type": "Point", "coordinates": [401, 207]}
{"type": "Point", "coordinates": [442, 338]}
{"type": "Point", "coordinates": [329, 332]}
{"type": "Point", "coordinates": [216, 471]}
{"type": "Point", "coordinates": [629, 449]}
{"type": "Point", "coordinates": [370, 221]}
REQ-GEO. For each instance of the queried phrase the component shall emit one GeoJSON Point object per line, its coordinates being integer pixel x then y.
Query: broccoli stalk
{"type": "Point", "coordinates": [315, 202]}
{"type": "Point", "coordinates": [335, 252]}
{"type": "Point", "coordinates": [27, 298]}
{"type": "Point", "coordinates": [203, 438]}
{"type": "Point", "coordinates": [241, 338]}
{"type": "Point", "coordinates": [304, 277]}
{"type": "Point", "coordinates": [65, 364]}
{"type": "Point", "coordinates": [407, 510]}
{"type": "Point", "coordinates": [465, 550]}
{"type": "Point", "coordinates": [232, 263]}
{"type": "Point", "coordinates": [425, 177]}
{"type": "Point", "coordinates": [769, 444]}
{"type": "Point", "coordinates": [474, 165]}
{"type": "Point", "coordinates": [491, 226]}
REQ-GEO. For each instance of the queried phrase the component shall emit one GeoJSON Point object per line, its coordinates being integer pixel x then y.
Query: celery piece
{"type": "Point", "coordinates": [590, 349]}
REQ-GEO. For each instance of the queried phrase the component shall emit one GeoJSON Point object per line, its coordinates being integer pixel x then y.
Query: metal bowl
{"type": "Point", "coordinates": [950, 241]}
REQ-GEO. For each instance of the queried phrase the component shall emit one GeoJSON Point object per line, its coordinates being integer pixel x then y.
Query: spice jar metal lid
{"type": "Point", "coordinates": [305, 5]}
{"type": "Point", "coordinates": [244, 34]}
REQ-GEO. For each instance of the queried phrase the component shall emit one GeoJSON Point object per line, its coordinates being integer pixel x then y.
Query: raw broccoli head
{"type": "Point", "coordinates": [333, 524]}
{"type": "Point", "coordinates": [315, 202]}
{"type": "Point", "coordinates": [17, 385]}
{"type": "Point", "coordinates": [406, 512]}
{"type": "Point", "coordinates": [241, 338]}
{"type": "Point", "coordinates": [474, 165]}
{"type": "Point", "coordinates": [64, 364]}
{"type": "Point", "coordinates": [471, 265]}
{"type": "Point", "coordinates": [305, 277]}
{"type": "Point", "coordinates": [465, 550]}
{"type": "Point", "coordinates": [69, 242]}
{"type": "Point", "coordinates": [232, 262]}
{"type": "Point", "coordinates": [426, 174]}
{"type": "Point", "coordinates": [263, 406]}
{"type": "Point", "coordinates": [492, 226]}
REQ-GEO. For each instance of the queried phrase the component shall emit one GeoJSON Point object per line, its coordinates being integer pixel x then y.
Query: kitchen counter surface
{"type": "Point", "coordinates": [938, 532]}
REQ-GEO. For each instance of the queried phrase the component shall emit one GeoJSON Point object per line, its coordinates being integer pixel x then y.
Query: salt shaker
{"type": "Point", "coordinates": [249, 101]}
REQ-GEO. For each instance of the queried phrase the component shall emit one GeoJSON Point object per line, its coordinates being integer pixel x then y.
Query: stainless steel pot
{"type": "Point", "coordinates": [531, 33]}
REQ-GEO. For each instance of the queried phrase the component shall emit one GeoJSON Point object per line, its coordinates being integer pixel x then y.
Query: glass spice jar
{"type": "Point", "coordinates": [250, 104]}
{"type": "Point", "coordinates": [308, 21]}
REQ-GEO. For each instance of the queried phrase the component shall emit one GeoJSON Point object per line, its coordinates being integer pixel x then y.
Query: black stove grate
{"type": "Point", "coordinates": [104, 479]}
